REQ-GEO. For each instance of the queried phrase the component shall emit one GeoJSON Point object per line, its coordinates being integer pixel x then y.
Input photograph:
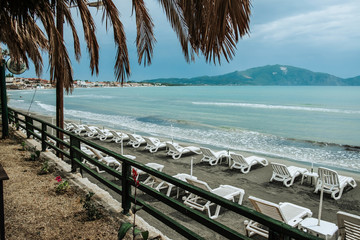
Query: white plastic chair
{"type": "Point", "coordinates": [245, 163]}
{"type": "Point", "coordinates": [226, 191]}
{"type": "Point", "coordinates": [213, 157]}
{"type": "Point", "coordinates": [333, 183]}
{"type": "Point", "coordinates": [288, 213]}
{"type": "Point", "coordinates": [286, 174]}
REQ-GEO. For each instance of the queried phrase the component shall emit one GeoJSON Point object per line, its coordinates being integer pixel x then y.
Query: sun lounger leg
{"type": "Point", "coordinates": [289, 182]}
{"type": "Point", "coordinates": [339, 194]}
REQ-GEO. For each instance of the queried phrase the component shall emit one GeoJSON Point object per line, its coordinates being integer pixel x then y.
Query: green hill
{"type": "Point", "coordinates": [281, 75]}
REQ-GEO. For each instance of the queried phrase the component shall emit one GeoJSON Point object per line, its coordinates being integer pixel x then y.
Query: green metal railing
{"type": "Point", "coordinates": [72, 151]}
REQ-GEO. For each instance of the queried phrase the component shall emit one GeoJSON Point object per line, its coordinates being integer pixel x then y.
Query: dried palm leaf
{"type": "Point", "coordinates": [145, 35]}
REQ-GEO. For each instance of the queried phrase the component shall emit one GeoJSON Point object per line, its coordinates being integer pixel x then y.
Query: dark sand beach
{"type": "Point", "coordinates": [255, 183]}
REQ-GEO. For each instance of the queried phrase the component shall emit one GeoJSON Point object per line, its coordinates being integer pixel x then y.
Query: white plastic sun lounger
{"type": "Point", "coordinates": [170, 186]}
{"type": "Point", "coordinates": [286, 174]}
{"type": "Point", "coordinates": [151, 180]}
{"type": "Point", "coordinates": [103, 134]}
{"type": "Point", "coordinates": [68, 126]}
{"type": "Point", "coordinates": [156, 166]}
{"type": "Point", "coordinates": [213, 157]}
{"type": "Point", "coordinates": [349, 226]}
{"type": "Point", "coordinates": [77, 129]}
{"type": "Point", "coordinates": [89, 131]}
{"type": "Point", "coordinates": [108, 160]}
{"type": "Point", "coordinates": [135, 140]}
{"type": "Point", "coordinates": [118, 136]}
{"type": "Point", "coordinates": [245, 163]}
{"type": "Point", "coordinates": [288, 213]}
{"type": "Point", "coordinates": [87, 150]}
{"type": "Point", "coordinates": [333, 183]}
{"type": "Point", "coordinates": [175, 150]}
{"type": "Point", "coordinates": [71, 127]}
{"type": "Point", "coordinates": [226, 191]}
{"type": "Point", "coordinates": [154, 144]}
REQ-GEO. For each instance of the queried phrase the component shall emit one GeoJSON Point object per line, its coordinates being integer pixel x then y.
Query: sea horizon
{"type": "Point", "coordinates": [309, 124]}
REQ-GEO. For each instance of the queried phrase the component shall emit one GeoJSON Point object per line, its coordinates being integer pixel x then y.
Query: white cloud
{"type": "Point", "coordinates": [337, 24]}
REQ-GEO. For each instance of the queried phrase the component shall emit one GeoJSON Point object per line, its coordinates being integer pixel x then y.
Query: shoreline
{"type": "Point", "coordinates": [255, 183]}
{"type": "Point", "coordinates": [273, 158]}
{"type": "Point", "coordinates": [280, 159]}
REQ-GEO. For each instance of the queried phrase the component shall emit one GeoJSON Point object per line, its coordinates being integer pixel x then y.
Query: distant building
{"type": "Point", "coordinates": [26, 83]}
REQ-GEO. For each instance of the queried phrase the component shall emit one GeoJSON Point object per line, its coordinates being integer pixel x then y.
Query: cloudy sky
{"type": "Point", "coordinates": [322, 36]}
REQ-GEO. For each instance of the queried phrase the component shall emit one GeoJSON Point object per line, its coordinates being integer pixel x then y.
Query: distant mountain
{"type": "Point", "coordinates": [281, 75]}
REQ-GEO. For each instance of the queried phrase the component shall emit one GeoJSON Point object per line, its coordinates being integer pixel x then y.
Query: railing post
{"type": "Point", "coordinates": [4, 108]}
{"type": "Point", "coordinates": [43, 136]}
{"type": "Point", "coordinates": [126, 187]}
{"type": "Point", "coordinates": [74, 142]}
{"type": "Point", "coordinates": [17, 121]}
{"type": "Point", "coordinates": [29, 126]}
{"type": "Point", "coordinates": [3, 176]}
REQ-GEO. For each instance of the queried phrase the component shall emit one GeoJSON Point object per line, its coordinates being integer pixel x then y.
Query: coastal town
{"type": "Point", "coordinates": [19, 83]}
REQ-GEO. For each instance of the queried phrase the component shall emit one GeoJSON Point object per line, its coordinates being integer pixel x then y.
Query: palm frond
{"type": "Point", "coordinates": [175, 16]}
{"type": "Point", "coordinates": [213, 26]}
{"type": "Point", "coordinates": [122, 66]}
{"type": "Point", "coordinates": [70, 21]}
{"type": "Point", "coordinates": [145, 35]}
{"type": "Point", "coordinates": [90, 37]}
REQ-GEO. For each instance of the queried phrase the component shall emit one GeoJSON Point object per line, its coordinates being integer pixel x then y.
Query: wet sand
{"type": "Point", "coordinates": [255, 183]}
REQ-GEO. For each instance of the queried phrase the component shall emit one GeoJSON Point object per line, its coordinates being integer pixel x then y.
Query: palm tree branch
{"type": "Point", "coordinates": [145, 36]}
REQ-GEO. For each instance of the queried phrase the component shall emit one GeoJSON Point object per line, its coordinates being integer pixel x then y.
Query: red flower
{"type": "Point", "coordinates": [135, 176]}
{"type": "Point", "coordinates": [58, 179]}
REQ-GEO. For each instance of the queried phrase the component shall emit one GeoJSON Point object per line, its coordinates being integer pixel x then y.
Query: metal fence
{"type": "Point", "coordinates": [39, 129]}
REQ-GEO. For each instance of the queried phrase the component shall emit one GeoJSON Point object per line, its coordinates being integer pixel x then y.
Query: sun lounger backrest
{"type": "Point", "coordinates": [199, 184]}
{"type": "Point", "coordinates": [99, 131]}
{"type": "Point", "coordinates": [238, 158]}
{"type": "Point", "coordinates": [280, 169]}
{"type": "Point", "coordinates": [149, 141]}
{"type": "Point", "coordinates": [88, 129]}
{"type": "Point", "coordinates": [268, 208]}
{"type": "Point", "coordinates": [349, 225]}
{"type": "Point", "coordinates": [172, 147]}
{"type": "Point", "coordinates": [115, 134]}
{"type": "Point", "coordinates": [132, 137]}
{"type": "Point", "coordinates": [207, 152]}
{"type": "Point", "coordinates": [97, 153]}
{"type": "Point", "coordinates": [331, 178]}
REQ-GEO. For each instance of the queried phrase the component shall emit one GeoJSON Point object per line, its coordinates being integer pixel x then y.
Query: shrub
{"type": "Point", "coordinates": [91, 210]}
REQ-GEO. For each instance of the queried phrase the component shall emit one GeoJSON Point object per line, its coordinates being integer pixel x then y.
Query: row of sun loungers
{"type": "Point", "coordinates": [286, 212]}
{"type": "Point", "coordinates": [173, 149]}
{"type": "Point", "coordinates": [334, 184]}
{"type": "Point", "coordinates": [291, 214]}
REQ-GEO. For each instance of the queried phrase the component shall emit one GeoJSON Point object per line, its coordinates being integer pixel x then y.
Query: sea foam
{"type": "Point", "coordinates": [265, 106]}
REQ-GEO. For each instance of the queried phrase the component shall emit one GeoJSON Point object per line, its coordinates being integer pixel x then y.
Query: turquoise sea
{"type": "Point", "coordinates": [310, 124]}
